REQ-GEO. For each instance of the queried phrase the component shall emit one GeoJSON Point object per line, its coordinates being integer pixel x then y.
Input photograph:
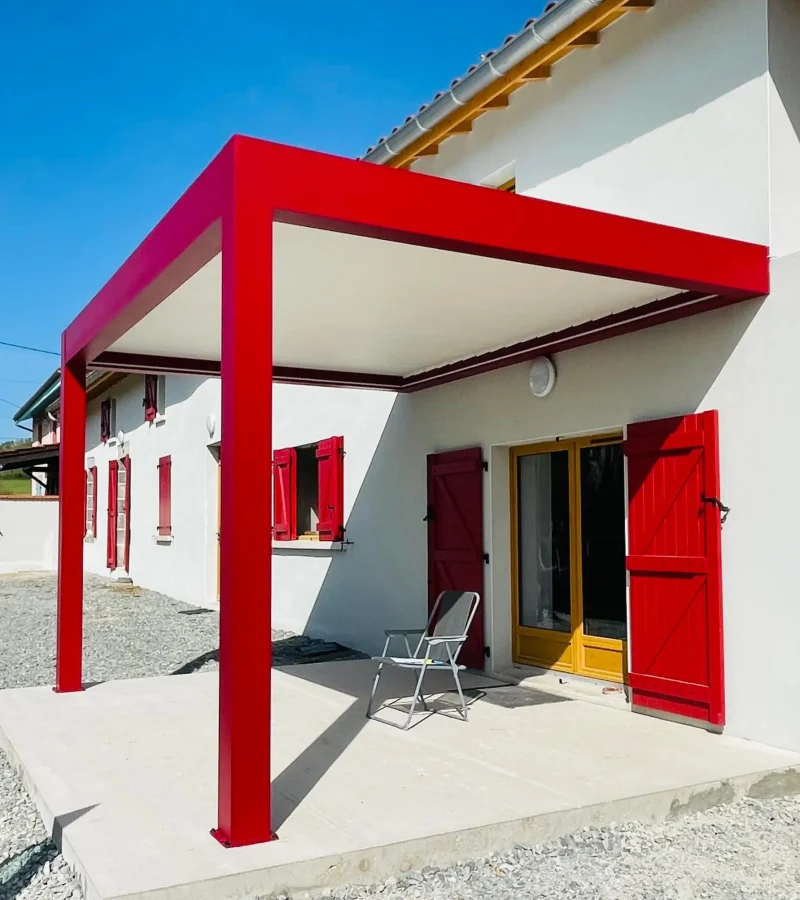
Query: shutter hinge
{"type": "Point", "coordinates": [486, 558]}
{"type": "Point", "coordinates": [487, 652]}
{"type": "Point", "coordinates": [485, 465]}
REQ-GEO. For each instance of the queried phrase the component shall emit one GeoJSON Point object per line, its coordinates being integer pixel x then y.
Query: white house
{"type": "Point", "coordinates": [556, 488]}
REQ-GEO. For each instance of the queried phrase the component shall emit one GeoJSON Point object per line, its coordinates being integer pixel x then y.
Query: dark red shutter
{"type": "Point", "coordinates": [105, 420]}
{"type": "Point", "coordinates": [86, 501]}
{"type": "Point", "coordinates": [150, 401]}
{"type": "Point", "coordinates": [330, 470]}
{"type": "Point", "coordinates": [165, 496]}
{"type": "Point", "coordinates": [674, 545]}
{"type": "Point", "coordinates": [284, 476]}
{"type": "Point", "coordinates": [455, 536]}
{"type": "Point", "coordinates": [93, 473]}
{"type": "Point", "coordinates": [111, 531]}
{"type": "Point", "coordinates": [126, 463]}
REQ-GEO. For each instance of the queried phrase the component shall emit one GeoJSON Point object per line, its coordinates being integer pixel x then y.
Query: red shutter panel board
{"type": "Point", "coordinates": [330, 471]}
{"type": "Point", "coordinates": [165, 496]}
{"type": "Point", "coordinates": [86, 501]}
{"type": "Point", "coordinates": [455, 536]}
{"type": "Point", "coordinates": [111, 530]}
{"type": "Point", "coordinates": [150, 401]}
{"type": "Point", "coordinates": [93, 472]}
{"type": "Point", "coordinates": [674, 546]}
{"type": "Point", "coordinates": [126, 462]}
{"type": "Point", "coordinates": [284, 473]}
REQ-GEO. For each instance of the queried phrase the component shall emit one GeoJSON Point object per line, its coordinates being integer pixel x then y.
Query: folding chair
{"type": "Point", "coordinates": [439, 645]}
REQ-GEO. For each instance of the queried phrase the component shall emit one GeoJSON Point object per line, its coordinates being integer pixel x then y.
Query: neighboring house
{"type": "Point", "coordinates": [578, 479]}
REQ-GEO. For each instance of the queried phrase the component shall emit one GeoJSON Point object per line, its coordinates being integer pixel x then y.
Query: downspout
{"type": "Point", "coordinates": [527, 42]}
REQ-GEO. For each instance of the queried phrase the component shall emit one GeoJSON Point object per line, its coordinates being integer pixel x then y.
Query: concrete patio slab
{"type": "Point", "coordinates": [125, 776]}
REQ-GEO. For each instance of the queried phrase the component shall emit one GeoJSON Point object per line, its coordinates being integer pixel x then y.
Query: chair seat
{"type": "Point", "coordinates": [409, 662]}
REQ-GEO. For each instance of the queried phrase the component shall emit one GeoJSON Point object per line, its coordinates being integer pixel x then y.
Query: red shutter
{"type": "Point", "coordinates": [674, 545]}
{"type": "Point", "coordinates": [93, 473]}
{"type": "Point", "coordinates": [330, 468]}
{"type": "Point", "coordinates": [284, 473]}
{"type": "Point", "coordinates": [105, 420]}
{"type": "Point", "coordinates": [165, 495]}
{"type": "Point", "coordinates": [455, 536]}
{"type": "Point", "coordinates": [111, 531]}
{"type": "Point", "coordinates": [126, 463]}
{"type": "Point", "coordinates": [86, 502]}
{"type": "Point", "coordinates": [150, 401]}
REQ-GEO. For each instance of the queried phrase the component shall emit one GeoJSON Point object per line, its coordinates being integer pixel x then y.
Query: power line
{"type": "Point", "coordinates": [32, 349]}
{"type": "Point", "coordinates": [10, 403]}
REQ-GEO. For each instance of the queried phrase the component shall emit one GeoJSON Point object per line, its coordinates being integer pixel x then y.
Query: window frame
{"type": "Point", "coordinates": [329, 454]}
{"type": "Point", "coordinates": [164, 527]}
{"type": "Point", "coordinates": [90, 513]}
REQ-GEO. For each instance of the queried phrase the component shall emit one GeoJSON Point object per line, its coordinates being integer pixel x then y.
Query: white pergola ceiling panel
{"type": "Point", "coordinates": [356, 304]}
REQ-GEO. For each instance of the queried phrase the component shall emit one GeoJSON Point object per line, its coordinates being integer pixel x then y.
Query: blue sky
{"type": "Point", "coordinates": [109, 111]}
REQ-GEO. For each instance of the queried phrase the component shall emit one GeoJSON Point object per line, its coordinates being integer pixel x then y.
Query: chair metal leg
{"type": "Point", "coordinates": [454, 667]}
{"type": "Point", "coordinates": [374, 690]}
{"type": "Point", "coordinates": [414, 699]}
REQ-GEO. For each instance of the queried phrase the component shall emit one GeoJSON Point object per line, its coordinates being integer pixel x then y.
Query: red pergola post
{"type": "Point", "coordinates": [245, 654]}
{"type": "Point", "coordinates": [71, 526]}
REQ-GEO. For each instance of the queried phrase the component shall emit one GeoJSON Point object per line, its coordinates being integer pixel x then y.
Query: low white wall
{"type": "Point", "coordinates": [28, 534]}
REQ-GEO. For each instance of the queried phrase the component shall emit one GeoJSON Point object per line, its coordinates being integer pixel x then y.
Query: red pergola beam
{"type": "Point", "coordinates": [232, 207]}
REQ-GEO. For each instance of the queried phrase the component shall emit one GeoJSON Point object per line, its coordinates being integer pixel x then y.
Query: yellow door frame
{"type": "Point", "coordinates": [575, 651]}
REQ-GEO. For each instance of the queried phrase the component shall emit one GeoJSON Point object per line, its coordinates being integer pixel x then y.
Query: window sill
{"type": "Point", "coordinates": [89, 539]}
{"type": "Point", "coordinates": [159, 420]}
{"type": "Point", "coordinates": [311, 546]}
{"type": "Point", "coordinates": [165, 539]}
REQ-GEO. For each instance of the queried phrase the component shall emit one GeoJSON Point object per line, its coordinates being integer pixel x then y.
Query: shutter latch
{"type": "Point", "coordinates": [715, 501]}
{"type": "Point", "coordinates": [429, 516]}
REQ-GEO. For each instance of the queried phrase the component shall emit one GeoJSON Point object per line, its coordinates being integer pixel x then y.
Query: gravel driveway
{"type": "Point", "coordinates": [749, 849]}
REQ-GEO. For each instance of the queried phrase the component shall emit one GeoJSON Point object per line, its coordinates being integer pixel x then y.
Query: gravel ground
{"type": "Point", "coordinates": [750, 849]}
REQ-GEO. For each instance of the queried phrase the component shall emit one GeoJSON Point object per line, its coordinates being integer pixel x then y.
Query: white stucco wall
{"type": "Point", "coordinates": [28, 534]}
{"type": "Point", "coordinates": [784, 125]}
{"type": "Point", "coordinates": [665, 120]}
{"type": "Point", "coordinates": [186, 568]}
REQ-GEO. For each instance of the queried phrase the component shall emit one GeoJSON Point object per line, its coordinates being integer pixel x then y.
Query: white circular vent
{"type": "Point", "coordinates": [542, 376]}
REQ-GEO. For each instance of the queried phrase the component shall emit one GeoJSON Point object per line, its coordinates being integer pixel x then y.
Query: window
{"type": "Point", "coordinates": [308, 485]}
{"type": "Point", "coordinates": [510, 186]}
{"type": "Point", "coordinates": [91, 502]}
{"type": "Point", "coordinates": [154, 397]}
{"type": "Point", "coordinates": [165, 496]}
{"type": "Point", "coordinates": [108, 419]}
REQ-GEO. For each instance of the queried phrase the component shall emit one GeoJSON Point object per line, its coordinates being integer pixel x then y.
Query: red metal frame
{"type": "Point", "coordinates": [69, 627]}
{"type": "Point", "coordinates": [245, 648]}
{"type": "Point", "coordinates": [232, 207]}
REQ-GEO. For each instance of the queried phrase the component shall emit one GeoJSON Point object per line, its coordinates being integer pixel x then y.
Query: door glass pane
{"type": "Point", "coordinates": [544, 541]}
{"type": "Point", "coordinates": [603, 541]}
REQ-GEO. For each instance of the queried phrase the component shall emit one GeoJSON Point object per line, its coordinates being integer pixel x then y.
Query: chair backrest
{"type": "Point", "coordinates": [451, 616]}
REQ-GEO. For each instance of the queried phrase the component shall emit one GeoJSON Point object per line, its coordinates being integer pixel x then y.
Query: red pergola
{"type": "Point", "coordinates": [390, 297]}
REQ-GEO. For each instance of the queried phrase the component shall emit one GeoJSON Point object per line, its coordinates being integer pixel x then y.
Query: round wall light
{"type": "Point", "coordinates": [542, 376]}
